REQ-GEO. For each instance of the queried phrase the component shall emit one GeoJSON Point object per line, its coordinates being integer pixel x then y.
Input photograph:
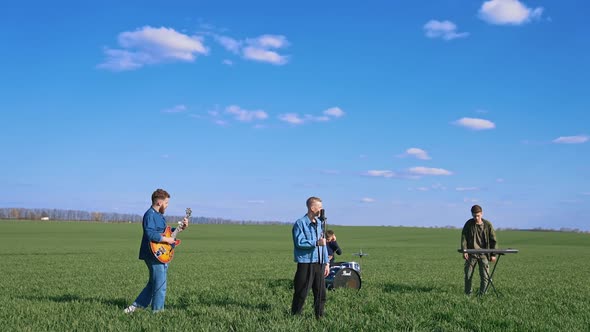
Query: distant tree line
{"type": "Point", "coordinates": [78, 215]}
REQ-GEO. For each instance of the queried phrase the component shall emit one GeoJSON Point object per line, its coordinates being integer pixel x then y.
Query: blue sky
{"type": "Point", "coordinates": [394, 113]}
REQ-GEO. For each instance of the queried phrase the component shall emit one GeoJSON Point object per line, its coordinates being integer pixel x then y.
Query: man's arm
{"type": "Point", "coordinates": [299, 239]}
{"type": "Point", "coordinates": [464, 238]}
{"type": "Point", "coordinates": [336, 247]}
{"type": "Point", "coordinates": [464, 241]}
{"type": "Point", "coordinates": [149, 228]}
{"type": "Point", "coordinates": [493, 241]}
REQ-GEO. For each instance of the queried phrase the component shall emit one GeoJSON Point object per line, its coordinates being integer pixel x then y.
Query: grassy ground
{"type": "Point", "coordinates": [80, 276]}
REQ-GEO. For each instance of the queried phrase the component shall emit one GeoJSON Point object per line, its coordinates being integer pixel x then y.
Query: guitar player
{"type": "Point", "coordinates": [154, 224]}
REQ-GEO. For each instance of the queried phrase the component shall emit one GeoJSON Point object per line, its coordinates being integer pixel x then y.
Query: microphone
{"type": "Point", "coordinates": [322, 216]}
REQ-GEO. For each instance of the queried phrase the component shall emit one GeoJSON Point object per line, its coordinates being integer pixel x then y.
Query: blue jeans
{"type": "Point", "coordinates": [155, 290]}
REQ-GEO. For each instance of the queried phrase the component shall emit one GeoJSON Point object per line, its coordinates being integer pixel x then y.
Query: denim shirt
{"type": "Point", "coordinates": [305, 238]}
{"type": "Point", "coordinates": [153, 225]}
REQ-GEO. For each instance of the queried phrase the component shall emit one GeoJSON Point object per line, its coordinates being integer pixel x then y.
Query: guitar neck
{"type": "Point", "coordinates": [179, 228]}
{"type": "Point", "coordinates": [175, 233]}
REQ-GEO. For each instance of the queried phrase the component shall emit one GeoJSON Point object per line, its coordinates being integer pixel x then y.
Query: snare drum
{"type": "Point", "coordinates": [343, 277]}
{"type": "Point", "coordinates": [352, 265]}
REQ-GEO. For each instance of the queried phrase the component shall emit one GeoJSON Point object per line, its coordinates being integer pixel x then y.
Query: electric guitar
{"type": "Point", "coordinates": [164, 252]}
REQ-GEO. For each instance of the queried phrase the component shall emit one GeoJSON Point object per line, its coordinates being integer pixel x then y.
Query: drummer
{"type": "Point", "coordinates": [332, 246]}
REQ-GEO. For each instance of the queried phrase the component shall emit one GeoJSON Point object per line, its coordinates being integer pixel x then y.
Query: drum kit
{"type": "Point", "coordinates": [345, 274]}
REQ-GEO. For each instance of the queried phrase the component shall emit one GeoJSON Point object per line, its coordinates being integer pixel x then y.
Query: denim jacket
{"type": "Point", "coordinates": [153, 225]}
{"type": "Point", "coordinates": [305, 238]}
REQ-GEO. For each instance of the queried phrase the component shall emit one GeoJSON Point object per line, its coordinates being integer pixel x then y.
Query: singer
{"type": "Point", "coordinates": [311, 256]}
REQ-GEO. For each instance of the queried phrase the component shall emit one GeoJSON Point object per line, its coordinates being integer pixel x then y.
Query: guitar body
{"type": "Point", "coordinates": [163, 251]}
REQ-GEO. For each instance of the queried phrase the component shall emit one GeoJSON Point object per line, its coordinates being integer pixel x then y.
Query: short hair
{"type": "Point", "coordinates": [329, 232]}
{"type": "Point", "coordinates": [159, 194]}
{"type": "Point", "coordinates": [310, 201]}
{"type": "Point", "coordinates": [476, 209]}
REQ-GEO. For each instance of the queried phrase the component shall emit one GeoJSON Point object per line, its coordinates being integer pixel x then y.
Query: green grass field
{"type": "Point", "coordinates": [79, 276]}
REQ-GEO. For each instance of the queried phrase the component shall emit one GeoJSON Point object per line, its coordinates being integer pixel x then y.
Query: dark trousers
{"type": "Point", "coordinates": [309, 275]}
{"type": "Point", "coordinates": [484, 270]}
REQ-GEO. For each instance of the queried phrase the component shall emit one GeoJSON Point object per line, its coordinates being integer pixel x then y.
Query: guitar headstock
{"type": "Point", "coordinates": [181, 227]}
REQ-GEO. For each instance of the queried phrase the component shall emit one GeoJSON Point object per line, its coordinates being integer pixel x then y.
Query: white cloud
{"type": "Point", "coordinates": [256, 201]}
{"type": "Point", "coordinates": [175, 109]}
{"type": "Point", "coordinates": [263, 55]}
{"type": "Point", "coordinates": [466, 189]}
{"type": "Point", "coordinates": [446, 30]}
{"type": "Point", "coordinates": [470, 200]}
{"type": "Point", "coordinates": [572, 139]}
{"type": "Point", "coordinates": [268, 41]}
{"type": "Point", "coordinates": [148, 46]}
{"type": "Point", "coordinates": [244, 115]}
{"type": "Point", "coordinates": [309, 117]}
{"type": "Point", "coordinates": [291, 118]}
{"type": "Point", "coordinates": [367, 200]}
{"type": "Point", "coordinates": [429, 171]}
{"type": "Point", "coordinates": [475, 123]}
{"type": "Point", "coordinates": [380, 173]}
{"type": "Point", "coordinates": [329, 114]}
{"type": "Point", "coordinates": [417, 153]}
{"type": "Point", "coordinates": [227, 62]}
{"type": "Point", "coordinates": [334, 111]}
{"type": "Point", "coordinates": [262, 48]}
{"type": "Point", "coordinates": [229, 43]}
{"type": "Point", "coordinates": [436, 186]}
{"type": "Point", "coordinates": [508, 12]}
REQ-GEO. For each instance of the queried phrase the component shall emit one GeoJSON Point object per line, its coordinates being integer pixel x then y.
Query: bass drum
{"type": "Point", "coordinates": [343, 277]}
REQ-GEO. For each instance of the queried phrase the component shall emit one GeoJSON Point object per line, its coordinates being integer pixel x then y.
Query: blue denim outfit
{"type": "Point", "coordinates": [305, 237]}
{"type": "Point", "coordinates": [154, 292]}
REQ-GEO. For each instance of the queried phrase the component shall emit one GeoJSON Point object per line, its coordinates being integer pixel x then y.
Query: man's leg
{"type": "Point", "coordinates": [469, 266]}
{"type": "Point", "coordinates": [301, 287]}
{"type": "Point", "coordinates": [319, 290]}
{"type": "Point", "coordinates": [144, 298]}
{"type": "Point", "coordinates": [159, 272]}
{"type": "Point", "coordinates": [484, 272]}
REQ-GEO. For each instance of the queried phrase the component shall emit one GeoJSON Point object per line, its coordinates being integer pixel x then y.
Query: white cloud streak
{"type": "Point", "coordinates": [446, 30]}
{"type": "Point", "coordinates": [175, 109]}
{"type": "Point", "coordinates": [508, 12]}
{"type": "Point", "coordinates": [417, 153]}
{"type": "Point", "coordinates": [367, 200]}
{"type": "Point", "coordinates": [475, 123]}
{"type": "Point", "coordinates": [579, 139]}
{"type": "Point", "coordinates": [380, 173]}
{"type": "Point", "coordinates": [244, 115]}
{"type": "Point", "coordinates": [334, 112]}
{"type": "Point", "coordinates": [466, 189]}
{"type": "Point", "coordinates": [291, 118]}
{"type": "Point", "coordinates": [263, 48]}
{"type": "Point", "coordinates": [256, 201]}
{"type": "Point", "coordinates": [149, 46]}
{"type": "Point", "coordinates": [419, 170]}
{"type": "Point", "coordinates": [296, 119]}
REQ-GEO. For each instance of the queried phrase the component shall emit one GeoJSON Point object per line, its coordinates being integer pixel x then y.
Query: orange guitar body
{"type": "Point", "coordinates": [163, 251]}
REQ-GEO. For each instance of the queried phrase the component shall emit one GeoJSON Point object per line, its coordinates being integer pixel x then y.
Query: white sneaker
{"type": "Point", "coordinates": [130, 309]}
